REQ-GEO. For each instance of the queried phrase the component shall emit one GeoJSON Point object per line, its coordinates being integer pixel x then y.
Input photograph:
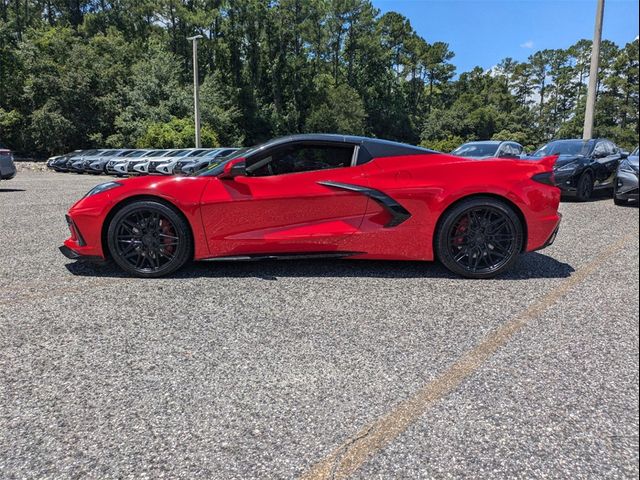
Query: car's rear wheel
{"type": "Point", "coordinates": [149, 239]}
{"type": "Point", "coordinates": [479, 238]}
{"type": "Point", "coordinates": [585, 187]}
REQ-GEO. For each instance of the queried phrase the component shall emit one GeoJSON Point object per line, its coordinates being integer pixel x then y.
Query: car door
{"type": "Point", "coordinates": [607, 158]}
{"type": "Point", "coordinates": [282, 206]}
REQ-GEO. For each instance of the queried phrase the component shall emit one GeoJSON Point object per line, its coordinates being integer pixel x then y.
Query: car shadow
{"type": "Point", "coordinates": [528, 266]}
{"type": "Point", "coordinates": [9, 190]}
{"type": "Point", "coordinates": [596, 196]}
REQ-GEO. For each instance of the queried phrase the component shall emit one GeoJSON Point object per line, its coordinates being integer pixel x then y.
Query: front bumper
{"type": "Point", "coordinates": [96, 167]}
{"type": "Point", "coordinates": [142, 167]}
{"type": "Point", "coordinates": [566, 181]}
{"type": "Point", "coordinates": [132, 164]}
{"type": "Point", "coordinates": [165, 168]}
{"type": "Point", "coordinates": [85, 240]}
{"type": "Point", "coordinates": [626, 185]}
{"type": "Point", "coordinates": [120, 168]}
{"type": "Point", "coordinates": [74, 255]}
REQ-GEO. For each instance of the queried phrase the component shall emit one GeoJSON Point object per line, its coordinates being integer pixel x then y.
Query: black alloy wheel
{"type": "Point", "coordinates": [479, 238]}
{"type": "Point", "coordinates": [149, 239]}
{"type": "Point", "coordinates": [585, 187]}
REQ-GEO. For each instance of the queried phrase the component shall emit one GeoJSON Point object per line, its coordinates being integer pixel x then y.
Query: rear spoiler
{"type": "Point", "coordinates": [548, 162]}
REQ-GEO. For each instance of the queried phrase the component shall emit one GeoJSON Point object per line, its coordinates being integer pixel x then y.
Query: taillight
{"type": "Point", "coordinates": [548, 178]}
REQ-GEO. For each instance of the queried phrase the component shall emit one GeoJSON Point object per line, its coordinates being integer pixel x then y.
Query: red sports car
{"type": "Point", "coordinates": [308, 196]}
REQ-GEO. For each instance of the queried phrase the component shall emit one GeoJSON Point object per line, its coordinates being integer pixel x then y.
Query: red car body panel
{"type": "Point", "coordinates": [295, 213]}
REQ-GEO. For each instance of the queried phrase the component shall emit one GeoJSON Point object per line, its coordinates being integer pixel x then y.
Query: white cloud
{"type": "Point", "coordinates": [637, 38]}
{"type": "Point", "coordinates": [527, 44]}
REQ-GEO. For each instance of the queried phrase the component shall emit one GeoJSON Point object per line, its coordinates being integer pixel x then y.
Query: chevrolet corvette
{"type": "Point", "coordinates": [321, 195]}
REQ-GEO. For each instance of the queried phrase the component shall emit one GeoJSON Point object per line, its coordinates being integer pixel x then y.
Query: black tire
{"type": "Point", "coordinates": [585, 187]}
{"type": "Point", "coordinates": [619, 201]}
{"type": "Point", "coordinates": [149, 239]}
{"type": "Point", "coordinates": [479, 238]}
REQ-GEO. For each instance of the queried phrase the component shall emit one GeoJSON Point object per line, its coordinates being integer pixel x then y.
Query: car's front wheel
{"type": "Point", "coordinates": [479, 238]}
{"type": "Point", "coordinates": [585, 187]}
{"type": "Point", "coordinates": [149, 239]}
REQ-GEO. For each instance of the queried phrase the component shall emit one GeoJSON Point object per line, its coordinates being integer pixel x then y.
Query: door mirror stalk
{"type": "Point", "coordinates": [235, 168]}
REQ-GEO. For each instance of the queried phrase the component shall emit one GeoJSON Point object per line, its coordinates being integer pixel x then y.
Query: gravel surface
{"type": "Point", "coordinates": [260, 370]}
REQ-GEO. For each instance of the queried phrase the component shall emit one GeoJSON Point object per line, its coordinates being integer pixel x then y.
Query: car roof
{"type": "Point", "coordinates": [487, 142]}
{"type": "Point", "coordinates": [377, 147]}
{"type": "Point", "coordinates": [576, 140]}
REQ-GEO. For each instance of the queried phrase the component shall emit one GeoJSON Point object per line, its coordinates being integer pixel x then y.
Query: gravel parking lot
{"type": "Point", "coordinates": [316, 369]}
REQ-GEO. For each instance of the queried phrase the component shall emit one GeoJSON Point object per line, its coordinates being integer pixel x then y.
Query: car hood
{"type": "Point", "coordinates": [565, 159]}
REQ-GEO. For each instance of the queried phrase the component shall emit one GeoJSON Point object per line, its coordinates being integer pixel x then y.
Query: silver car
{"type": "Point", "coordinates": [484, 149]}
{"type": "Point", "coordinates": [189, 166]}
{"type": "Point", "coordinates": [7, 167]}
{"type": "Point", "coordinates": [99, 164]}
{"type": "Point", "coordinates": [626, 184]}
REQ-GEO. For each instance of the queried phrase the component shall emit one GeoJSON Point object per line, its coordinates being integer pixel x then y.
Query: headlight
{"type": "Point", "coordinates": [625, 166]}
{"type": "Point", "coordinates": [103, 187]}
{"type": "Point", "coordinates": [569, 167]}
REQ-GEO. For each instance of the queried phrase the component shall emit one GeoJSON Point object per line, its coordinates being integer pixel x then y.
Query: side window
{"type": "Point", "coordinates": [600, 150]}
{"type": "Point", "coordinates": [300, 158]}
{"type": "Point", "coordinates": [612, 148]}
{"type": "Point", "coordinates": [517, 149]}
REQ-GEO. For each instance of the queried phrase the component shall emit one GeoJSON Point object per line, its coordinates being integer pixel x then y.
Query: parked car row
{"type": "Point", "coordinates": [121, 162]}
{"type": "Point", "coordinates": [582, 166]}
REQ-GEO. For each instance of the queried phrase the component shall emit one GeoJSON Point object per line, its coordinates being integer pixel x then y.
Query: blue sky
{"type": "Point", "coordinates": [483, 32]}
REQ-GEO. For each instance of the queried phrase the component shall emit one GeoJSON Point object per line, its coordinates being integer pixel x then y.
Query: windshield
{"type": "Point", "coordinates": [477, 150]}
{"type": "Point", "coordinates": [212, 153]}
{"type": "Point", "coordinates": [136, 153]}
{"type": "Point", "coordinates": [564, 147]}
{"type": "Point", "coordinates": [196, 153]}
{"type": "Point", "coordinates": [216, 166]}
{"type": "Point", "coordinates": [635, 152]}
{"type": "Point", "coordinates": [159, 153]}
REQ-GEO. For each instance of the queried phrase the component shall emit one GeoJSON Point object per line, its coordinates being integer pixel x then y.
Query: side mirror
{"type": "Point", "coordinates": [624, 154]}
{"type": "Point", "coordinates": [234, 168]}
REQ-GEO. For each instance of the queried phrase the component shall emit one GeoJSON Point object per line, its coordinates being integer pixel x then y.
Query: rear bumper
{"type": "Point", "coordinates": [554, 234]}
{"type": "Point", "coordinates": [551, 226]}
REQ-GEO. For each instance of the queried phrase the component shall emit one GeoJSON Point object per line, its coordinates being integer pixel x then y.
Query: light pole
{"type": "Point", "coordinates": [196, 88]}
{"type": "Point", "coordinates": [589, 110]}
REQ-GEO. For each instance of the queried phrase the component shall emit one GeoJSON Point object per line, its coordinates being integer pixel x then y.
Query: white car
{"type": "Point", "coordinates": [153, 160]}
{"type": "Point", "coordinates": [125, 167]}
{"type": "Point", "coordinates": [167, 168]}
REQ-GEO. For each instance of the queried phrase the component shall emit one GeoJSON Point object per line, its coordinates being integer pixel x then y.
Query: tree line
{"type": "Point", "coordinates": [116, 73]}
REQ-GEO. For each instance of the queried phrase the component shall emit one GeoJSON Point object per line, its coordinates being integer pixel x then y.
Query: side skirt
{"type": "Point", "coordinates": [281, 256]}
